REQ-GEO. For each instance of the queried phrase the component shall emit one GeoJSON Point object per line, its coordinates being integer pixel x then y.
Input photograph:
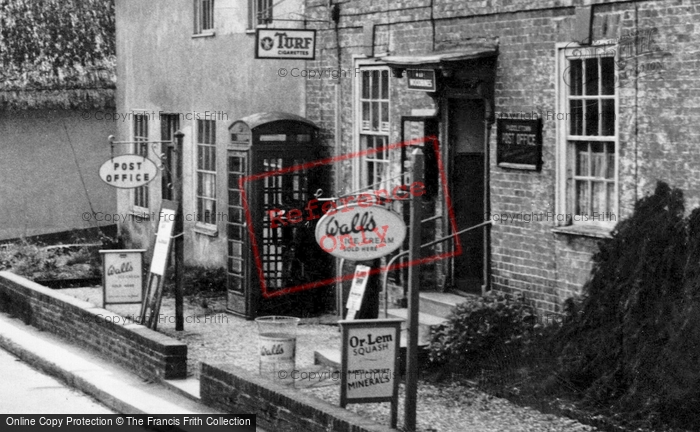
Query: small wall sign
{"type": "Point", "coordinates": [285, 44]}
{"type": "Point", "coordinates": [128, 171]}
{"type": "Point", "coordinates": [421, 79]}
{"type": "Point", "coordinates": [370, 362]}
{"type": "Point", "coordinates": [357, 290]}
{"type": "Point", "coordinates": [360, 233]}
{"type": "Point", "coordinates": [122, 276]}
{"type": "Point", "coordinates": [519, 143]}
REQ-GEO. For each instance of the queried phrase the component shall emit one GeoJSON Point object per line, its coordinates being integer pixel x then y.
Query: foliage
{"type": "Point", "coordinates": [56, 43]}
{"type": "Point", "coordinates": [198, 280]}
{"type": "Point", "coordinates": [493, 326]}
{"type": "Point", "coordinates": [634, 342]}
{"type": "Point", "coordinates": [38, 262]}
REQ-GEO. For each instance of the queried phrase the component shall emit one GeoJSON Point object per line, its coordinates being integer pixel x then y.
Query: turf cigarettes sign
{"type": "Point", "coordinates": [285, 44]}
{"type": "Point", "coordinates": [128, 171]}
{"type": "Point", "coordinates": [360, 233]}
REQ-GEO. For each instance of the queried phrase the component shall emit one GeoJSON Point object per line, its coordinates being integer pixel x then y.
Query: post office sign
{"type": "Point", "coordinates": [360, 233]}
{"type": "Point", "coordinates": [128, 171]}
{"type": "Point", "coordinates": [285, 44]}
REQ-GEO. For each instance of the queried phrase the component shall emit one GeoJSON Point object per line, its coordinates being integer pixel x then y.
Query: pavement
{"type": "Point", "coordinates": [114, 387]}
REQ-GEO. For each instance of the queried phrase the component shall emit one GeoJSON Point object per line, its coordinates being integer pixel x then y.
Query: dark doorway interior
{"type": "Point", "coordinates": [466, 144]}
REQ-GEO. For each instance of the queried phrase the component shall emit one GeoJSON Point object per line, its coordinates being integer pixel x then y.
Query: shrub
{"type": "Point", "coordinates": [634, 344]}
{"type": "Point", "coordinates": [494, 326]}
{"type": "Point", "coordinates": [198, 280]}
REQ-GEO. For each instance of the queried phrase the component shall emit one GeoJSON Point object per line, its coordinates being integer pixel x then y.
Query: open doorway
{"type": "Point", "coordinates": [465, 133]}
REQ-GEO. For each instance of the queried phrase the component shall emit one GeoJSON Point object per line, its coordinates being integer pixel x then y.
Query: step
{"type": "Point", "coordinates": [425, 322]}
{"type": "Point", "coordinates": [440, 304]}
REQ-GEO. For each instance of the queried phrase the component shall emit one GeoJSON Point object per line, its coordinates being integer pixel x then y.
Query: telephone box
{"type": "Point", "coordinates": [285, 261]}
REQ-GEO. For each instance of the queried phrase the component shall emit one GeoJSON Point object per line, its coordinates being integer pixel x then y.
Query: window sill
{"type": "Point", "coordinates": [594, 231]}
{"type": "Point", "coordinates": [205, 34]}
{"type": "Point", "coordinates": [206, 229]}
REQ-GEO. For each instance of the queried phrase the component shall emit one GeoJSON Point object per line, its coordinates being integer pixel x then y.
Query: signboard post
{"type": "Point", "coordinates": [370, 362]}
{"type": "Point", "coordinates": [519, 143]}
{"type": "Point", "coordinates": [122, 276]}
{"type": "Point", "coordinates": [159, 262]}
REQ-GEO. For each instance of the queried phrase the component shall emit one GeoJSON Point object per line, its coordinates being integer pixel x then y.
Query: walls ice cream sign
{"type": "Point", "coordinates": [285, 44]}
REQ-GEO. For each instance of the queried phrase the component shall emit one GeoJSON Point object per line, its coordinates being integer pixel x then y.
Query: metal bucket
{"type": "Point", "coordinates": [277, 339]}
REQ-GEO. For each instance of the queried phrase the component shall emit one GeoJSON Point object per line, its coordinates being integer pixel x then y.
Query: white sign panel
{"type": "Point", "coordinates": [128, 171]}
{"type": "Point", "coordinates": [285, 44]}
{"type": "Point", "coordinates": [360, 233]}
{"type": "Point", "coordinates": [122, 276]}
{"type": "Point", "coordinates": [370, 362]}
{"type": "Point", "coordinates": [162, 247]}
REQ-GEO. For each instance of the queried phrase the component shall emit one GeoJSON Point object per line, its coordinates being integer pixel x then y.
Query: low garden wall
{"type": "Point", "coordinates": [146, 352]}
{"type": "Point", "coordinates": [280, 409]}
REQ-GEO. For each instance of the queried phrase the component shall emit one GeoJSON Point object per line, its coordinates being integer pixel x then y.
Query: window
{"type": "Point", "coordinates": [374, 127]}
{"type": "Point", "coordinates": [141, 148]}
{"type": "Point", "coordinates": [259, 12]}
{"type": "Point", "coordinates": [206, 171]}
{"type": "Point", "coordinates": [588, 126]}
{"type": "Point", "coordinates": [203, 16]}
{"type": "Point", "coordinates": [169, 124]}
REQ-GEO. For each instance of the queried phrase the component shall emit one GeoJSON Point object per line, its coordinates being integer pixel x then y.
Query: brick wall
{"type": "Point", "coordinates": [659, 107]}
{"type": "Point", "coordinates": [146, 352]}
{"type": "Point", "coordinates": [235, 390]}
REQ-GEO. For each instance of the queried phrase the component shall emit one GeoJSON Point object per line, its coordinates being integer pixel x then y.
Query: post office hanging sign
{"type": "Point", "coordinates": [128, 171]}
{"type": "Point", "coordinates": [285, 44]}
{"type": "Point", "coordinates": [360, 233]}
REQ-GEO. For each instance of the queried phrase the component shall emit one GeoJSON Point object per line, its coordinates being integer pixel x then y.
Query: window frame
{"type": "Point", "coordinates": [199, 134]}
{"type": "Point", "coordinates": [253, 12]}
{"type": "Point", "coordinates": [203, 9]}
{"type": "Point", "coordinates": [141, 194]}
{"type": "Point", "coordinates": [361, 163]}
{"type": "Point", "coordinates": [566, 142]}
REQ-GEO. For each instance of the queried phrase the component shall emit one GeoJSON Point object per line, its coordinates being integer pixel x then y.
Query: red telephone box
{"type": "Point", "coordinates": [272, 145]}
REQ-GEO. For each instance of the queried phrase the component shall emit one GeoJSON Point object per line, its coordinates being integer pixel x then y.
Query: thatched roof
{"type": "Point", "coordinates": [57, 54]}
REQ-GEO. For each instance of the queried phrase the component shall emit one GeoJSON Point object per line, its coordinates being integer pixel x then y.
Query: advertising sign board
{"type": "Point", "coordinates": [360, 233]}
{"type": "Point", "coordinates": [122, 276]}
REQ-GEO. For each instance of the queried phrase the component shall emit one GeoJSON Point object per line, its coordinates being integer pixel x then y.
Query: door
{"type": "Point", "coordinates": [466, 145]}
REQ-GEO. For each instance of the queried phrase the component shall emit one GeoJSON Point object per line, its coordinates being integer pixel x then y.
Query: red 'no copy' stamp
{"type": "Point", "coordinates": [355, 227]}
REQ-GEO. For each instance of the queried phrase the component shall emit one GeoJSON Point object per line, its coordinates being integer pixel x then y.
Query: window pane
{"type": "Point", "coordinates": [234, 164]}
{"type": "Point", "coordinates": [582, 198]}
{"type": "Point", "coordinates": [365, 85]}
{"type": "Point", "coordinates": [234, 198]}
{"type": "Point", "coordinates": [607, 71]}
{"type": "Point", "coordinates": [608, 117]}
{"type": "Point", "coordinates": [375, 84]}
{"type": "Point", "coordinates": [611, 161]}
{"type": "Point", "coordinates": [611, 197]}
{"type": "Point", "coordinates": [576, 77]}
{"type": "Point", "coordinates": [598, 160]}
{"type": "Point", "coordinates": [591, 117]}
{"type": "Point", "coordinates": [576, 124]}
{"type": "Point", "coordinates": [599, 198]}
{"type": "Point", "coordinates": [591, 76]}
{"type": "Point", "coordinates": [375, 116]}
{"type": "Point", "coordinates": [365, 116]}
{"type": "Point", "coordinates": [385, 84]}
{"type": "Point", "coordinates": [582, 159]}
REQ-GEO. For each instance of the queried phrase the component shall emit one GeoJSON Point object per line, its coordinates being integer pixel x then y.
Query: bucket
{"type": "Point", "coordinates": [277, 340]}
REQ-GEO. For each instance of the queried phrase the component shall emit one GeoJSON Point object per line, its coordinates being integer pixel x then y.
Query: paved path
{"type": "Point", "coordinates": [24, 390]}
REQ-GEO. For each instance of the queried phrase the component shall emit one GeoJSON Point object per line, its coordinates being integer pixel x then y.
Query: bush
{"type": "Point", "coordinates": [634, 343]}
{"type": "Point", "coordinates": [198, 280]}
{"type": "Point", "coordinates": [495, 326]}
